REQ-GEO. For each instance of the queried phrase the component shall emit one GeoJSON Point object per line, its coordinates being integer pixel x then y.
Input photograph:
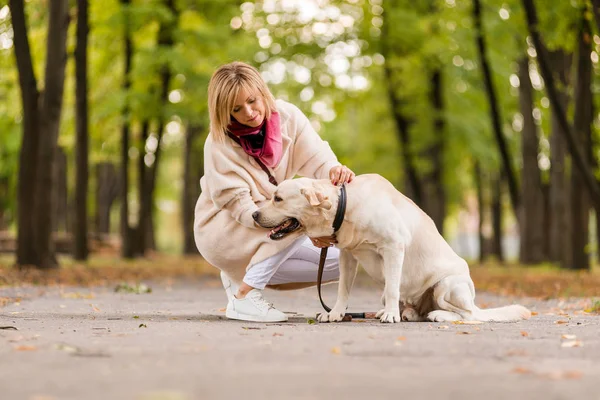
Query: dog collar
{"type": "Point", "coordinates": [341, 210]}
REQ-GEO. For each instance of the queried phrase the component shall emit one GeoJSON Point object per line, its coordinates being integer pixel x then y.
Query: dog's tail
{"type": "Point", "coordinates": [511, 313]}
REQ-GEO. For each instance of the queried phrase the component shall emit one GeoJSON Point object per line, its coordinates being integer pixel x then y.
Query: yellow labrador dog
{"type": "Point", "coordinates": [394, 241]}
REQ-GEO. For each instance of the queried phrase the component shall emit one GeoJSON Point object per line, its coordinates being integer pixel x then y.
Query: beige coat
{"type": "Point", "coordinates": [234, 186]}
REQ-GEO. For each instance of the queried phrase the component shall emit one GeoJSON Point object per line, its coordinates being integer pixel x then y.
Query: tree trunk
{"type": "Point", "coordinates": [532, 207]}
{"type": "Point", "coordinates": [27, 253]}
{"type": "Point", "coordinates": [107, 190]}
{"type": "Point", "coordinates": [497, 217]}
{"type": "Point", "coordinates": [165, 39]}
{"type": "Point", "coordinates": [142, 228]}
{"type": "Point", "coordinates": [414, 187]}
{"type": "Point", "coordinates": [193, 169]}
{"type": "Point", "coordinates": [511, 178]}
{"type": "Point", "coordinates": [580, 203]}
{"type": "Point", "coordinates": [52, 98]}
{"type": "Point", "coordinates": [481, 206]}
{"type": "Point", "coordinates": [435, 196]}
{"type": "Point", "coordinates": [579, 160]}
{"type": "Point", "coordinates": [60, 193]}
{"type": "Point", "coordinates": [126, 235]}
{"type": "Point", "coordinates": [80, 232]}
{"type": "Point", "coordinates": [558, 151]}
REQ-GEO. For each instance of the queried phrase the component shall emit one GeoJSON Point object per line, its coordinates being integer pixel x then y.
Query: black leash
{"type": "Point", "coordinates": [337, 223]}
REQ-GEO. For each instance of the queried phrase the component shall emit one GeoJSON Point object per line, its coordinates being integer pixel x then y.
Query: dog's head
{"type": "Point", "coordinates": [296, 204]}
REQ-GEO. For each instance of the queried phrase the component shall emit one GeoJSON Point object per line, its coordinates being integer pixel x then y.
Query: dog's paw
{"type": "Point", "coordinates": [332, 316]}
{"type": "Point", "coordinates": [410, 315]}
{"type": "Point", "coordinates": [443, 316]}
{"type": "Point", "coordinates": [390, 317]}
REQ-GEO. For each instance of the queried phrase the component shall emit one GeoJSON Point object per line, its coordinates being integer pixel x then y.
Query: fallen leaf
{"type": "Point", "coordinates": [562, 321]}
{"type": "Point", "coordinates": [534, 313]}
{"type": "Point", "coordinates": [25, 348]}
{"type": "Point", "coordinates": [572, 343]}
{"type": "Point", "coordinates": [311, 321]}
{"type": "Point", "coordinates": [521, 370]}
{"type": "Point", "coordinates": [96, 309]}
{"type": "Point", "coordinates": [517, 353]}
{"type": "Point", "coordinates": [77, 295]}
{"type": "Point", "coordinates": [251, 328]}
{"type": "Point", "coordinates": [67, 348]}
{"type": "Point", "coordinates": [467, 322]}
{"type": "Point", "coordinates": [142, 326]}
{"type": "Point", "coordinates": [136, 317]}
{"type": "Point", "coordinates": [277, 334]}
{"type": "Point", "coordinates": [336, 350]}
{"type": "Point", "coordinates": [12, 328]}
{"type": "Point", "coordinates": [573, 374]}
{"type": "Point", "coordinates": [567, 336]}
{"type": "Point", "coordinates": [401, 338]}
{"type": "Point", "coordinates": [443, 327]}
{"type": "Point", "coordinates": [463, 333]}
{"type": "Point", "coordinates": [222, 309]}
{"type": "Point", "coordinates": [524, 333]}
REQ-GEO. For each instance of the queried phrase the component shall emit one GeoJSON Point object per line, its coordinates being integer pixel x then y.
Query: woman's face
{"type": "Point", "coordinates": [249, 109]}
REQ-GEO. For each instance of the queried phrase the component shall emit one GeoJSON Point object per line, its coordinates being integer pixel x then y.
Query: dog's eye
{"type": "Point", "coordinates": [277, 199]}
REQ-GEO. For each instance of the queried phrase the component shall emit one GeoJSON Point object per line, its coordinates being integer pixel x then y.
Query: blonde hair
{"type": "Point", "coordinates": [223, 89]}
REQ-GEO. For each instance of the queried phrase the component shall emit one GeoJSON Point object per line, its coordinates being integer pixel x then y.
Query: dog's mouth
{"type": "Point", "coordinates": [288, 226]}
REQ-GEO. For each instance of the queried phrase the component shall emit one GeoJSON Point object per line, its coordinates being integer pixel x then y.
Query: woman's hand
{"type": "Point", "coordinates": [341, 174]}
{"type": "Point", "coordinates": [325, 241]}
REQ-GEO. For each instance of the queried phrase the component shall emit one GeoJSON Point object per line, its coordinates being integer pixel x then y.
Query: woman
{"type": "Point", "coordinates": [254, 143]}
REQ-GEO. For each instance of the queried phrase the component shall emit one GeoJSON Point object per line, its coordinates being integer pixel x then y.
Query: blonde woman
{"type": "Point", "coordinates": [254, 143]}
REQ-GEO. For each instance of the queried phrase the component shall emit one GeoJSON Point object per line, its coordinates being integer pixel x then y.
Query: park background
{"type": "Point", "coordinates": [482, 112]}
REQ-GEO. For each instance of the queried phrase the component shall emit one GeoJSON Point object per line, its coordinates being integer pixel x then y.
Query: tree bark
{"type": "Point", "coordinates": [80, 232]}
{"type": "Point", "coordinates": [52, 99]}
{"type": "Point", "coordinates": [576, 153]}
{"type": "Point", "coordinates": [126, 235]}
{"type": "Point", "coordinates": [60, 193]}
{"type": "Point", "coordinates": [511, 178]}
{"type": "Point", "coordinates": [532, 207]}
{"type": "Point", "coordinates": [580, 203]}
{"type": "Point", "coordinates": [435, 200]}
{"type": "Point", "coordinates": [414, 188]}
{"type": "Point", "coordinates": [481, 207]}
{"type": "Point", "coordinates": [497, 218]}
{"type": "Point", "coordinates": [193, 169]}
{"type": "Point", "coordinates": [558, 190]}
{"type": "Point", "coordinates": [165, 39]}
{"type": "Point", "coordinates": [27, 253]}
{"type": "Point", "coordinates": [107, 191]}
{"type": "Point", "coordinates": [142, 228]}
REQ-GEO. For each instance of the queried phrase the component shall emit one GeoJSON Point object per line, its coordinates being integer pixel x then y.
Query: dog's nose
{"type": "Point", "coordinates": [255, 215]}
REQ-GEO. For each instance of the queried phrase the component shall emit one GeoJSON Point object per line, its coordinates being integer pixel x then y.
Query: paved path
{"type": "Point", "coordinates": [174, 343]}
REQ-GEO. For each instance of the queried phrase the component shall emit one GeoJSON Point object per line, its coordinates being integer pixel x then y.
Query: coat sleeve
{"type": "Point", "coordinates": [313, 157]}
{"type": "Point", "coordinates": [228, 185]}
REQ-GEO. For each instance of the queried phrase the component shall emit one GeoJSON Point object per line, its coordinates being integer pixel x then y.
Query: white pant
{"type": "Point", "coordinates": [297, 263]}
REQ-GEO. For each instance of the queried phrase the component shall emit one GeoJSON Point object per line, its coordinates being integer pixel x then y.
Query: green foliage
{"type": "Point", "coordinates": [326, 58]}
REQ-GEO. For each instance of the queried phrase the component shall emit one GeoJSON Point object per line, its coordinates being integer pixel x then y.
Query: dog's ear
{"type": "Point", "coordinates": [315, 198]}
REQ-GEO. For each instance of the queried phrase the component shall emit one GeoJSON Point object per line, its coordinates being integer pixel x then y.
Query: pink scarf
{"type": "Point", "coordinates": [271, 151]}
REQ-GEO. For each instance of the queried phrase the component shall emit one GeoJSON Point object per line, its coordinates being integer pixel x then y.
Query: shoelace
{"type": "Point", "coordinates": [261, 303]}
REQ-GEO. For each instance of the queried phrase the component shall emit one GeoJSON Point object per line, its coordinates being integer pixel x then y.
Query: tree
{"type": "Point", "coordinates": [80, 233]}
{"type": "Point", "coordinates": [531, 218]}
{"type": "Point", "coordinates": [40, 134]}
{"type": "Point", "coordinates": [510, 176]}
{"type": "Point", "coordinates": [576, 153]}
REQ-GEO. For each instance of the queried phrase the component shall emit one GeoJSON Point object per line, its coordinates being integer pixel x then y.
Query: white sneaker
{"type": "Point", "coordinates": [231, 288]}
{"type": "Point", "coordinates": [254, 308]}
